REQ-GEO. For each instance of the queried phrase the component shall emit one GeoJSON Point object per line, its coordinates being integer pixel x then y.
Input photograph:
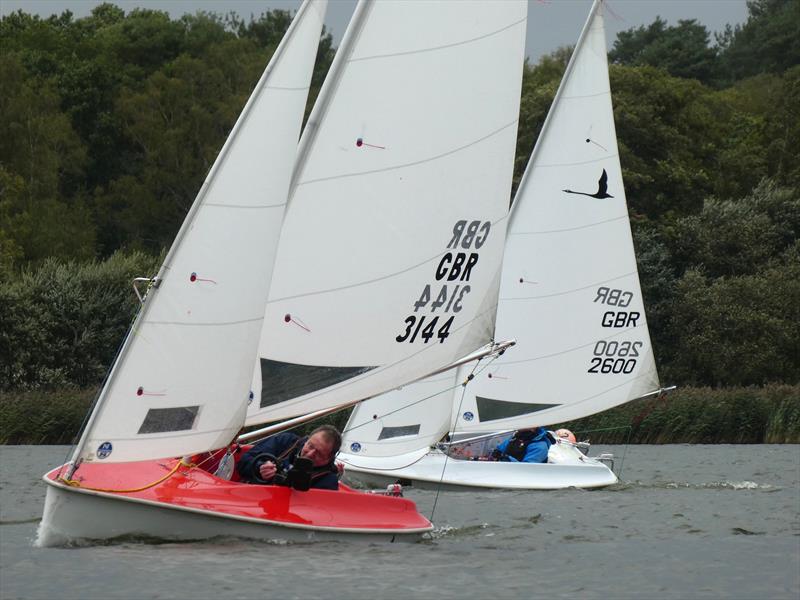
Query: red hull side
{"type": "Point", "coordinates": [197, 489]}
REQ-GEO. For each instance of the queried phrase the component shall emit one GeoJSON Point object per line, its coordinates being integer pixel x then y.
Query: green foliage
{"type": "Point", "coordinates": [43, 417]}
{"type": "Point", "coordinates": [738, 237]}
{"type": "Point", "coordinates": [667, 131]}
{"type": "Point", "coordinates": [62, 323]}
{"type": "Point", "coordinates": [111, 122]}
{"type": "Point", "coordinates": [766, 415]}
{"type": "Point", "coordinates": [732, 316]}
{"type": "Point", "coordinates": [738, 415]}
{"type": "Point", "coordinates": [682, 50]}
{"type": "Point", "coordinates": [738, 330]}
{"type": "Point", "coordinates": [769, 42]}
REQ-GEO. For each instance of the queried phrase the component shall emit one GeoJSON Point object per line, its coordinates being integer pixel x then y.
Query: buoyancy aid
{"type": "Point", "coordinates": [518, 444]}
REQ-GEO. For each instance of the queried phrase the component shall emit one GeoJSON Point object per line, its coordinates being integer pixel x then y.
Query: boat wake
{"type": "Point", "coordinates": [148, 540]}
{"type": "Point", "coordinates": [449, 531]}
{"type": "Point", "coordinates": [711, 485]}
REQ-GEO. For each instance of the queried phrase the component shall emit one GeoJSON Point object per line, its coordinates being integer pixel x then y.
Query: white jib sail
{"type": "Point", "coordinates": [388, 261]}
{"type": "Point", "coordinates": [403, 420]}
{"type": "Point", "coordinates": [570, 291]}
{"type": "Point", "coordinates": [182, 381]}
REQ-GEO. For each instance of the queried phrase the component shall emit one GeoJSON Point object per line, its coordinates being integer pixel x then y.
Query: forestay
{"type": "Point", "coordinates": [569, 295]}
{"type": "Point", "coordinates": [388, 262]}
{"type": "Point", "coordinates": [182, 380]}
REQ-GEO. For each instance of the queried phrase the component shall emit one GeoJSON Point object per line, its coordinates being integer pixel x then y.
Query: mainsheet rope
{"type": "Point", "coordinates": [77, 483]}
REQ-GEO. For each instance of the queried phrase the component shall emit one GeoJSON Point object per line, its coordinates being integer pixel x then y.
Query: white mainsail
{"type": "Point", "coordinates": [569, 292]}
{"type": "Point", "coordinates": [414, 134]}
{"type": "Point", "coordinates": [182, 381]}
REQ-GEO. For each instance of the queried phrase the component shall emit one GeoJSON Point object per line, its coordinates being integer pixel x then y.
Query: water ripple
{"type": "Point", "coordinates": [711, 485]}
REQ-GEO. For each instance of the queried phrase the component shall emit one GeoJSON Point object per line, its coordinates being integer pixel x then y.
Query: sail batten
{"type": "Point", "coordinates": [209, 324]}
{"type": "Point", "coordinates": [422, 161]}
{"type": "Point", "coordinates": [442, 47]}
{"type": "Point", "coordinates": [566, 229]}
{"type": "Point", "coordinates": [579, 163]}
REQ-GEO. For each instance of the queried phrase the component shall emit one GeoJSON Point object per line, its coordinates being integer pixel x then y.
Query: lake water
{"type": "Point", "coordinates": [686, 522]}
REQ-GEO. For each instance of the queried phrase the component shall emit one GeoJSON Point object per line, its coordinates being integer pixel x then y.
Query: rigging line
{"type": "Point", "coordinates": [416, 162]}
{"type": "Point", "coordinates": [245, 206]}
{"type": "Point", "coordinates": [376, 371]}
{"type": "Point", "coordinates": [576, 164]}
{"type": "Point", "coordinates": [412, 463]}
{"type": "Point", "coordinates": [77, 483]}
{"type": "Point", "coordinates": [565, 292]}
{"type": "Point", "coordinates": [218, 324]}
{"type": "Point", "coordinates": [568, 350]}
{"type": "Point", "coordinates": [595, 95]}
{"type": "Point", "coordinates": [624, 452]}
{"type": "Point", "coordinates": [447, 454]}
{"type": "Point", "coordinates": [599, 429]}
{"type": "Point", "coordinates": [209, 457]}
{"type": "Point", "coordinates": [579, 227]}
{"type": "Point", "coordinates": [442, 47]}
{"type": "Point", "coordinates": [349, 429]}
{"type": "Point", "coordinates": [287, 89]}
{"type": "Point", "coordinates": [588, 398]}
{"type": "Point", "coordinates": [383, 416]}
{"type": "Point", "coordinates": [376, 279]}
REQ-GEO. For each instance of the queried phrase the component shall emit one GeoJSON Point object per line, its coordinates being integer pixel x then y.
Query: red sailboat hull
{"type": "Point", "coordinates": [121, 499]}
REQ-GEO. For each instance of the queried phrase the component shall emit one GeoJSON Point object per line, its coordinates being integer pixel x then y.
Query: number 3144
{"type": "Point", "coordinates": [414, 329]}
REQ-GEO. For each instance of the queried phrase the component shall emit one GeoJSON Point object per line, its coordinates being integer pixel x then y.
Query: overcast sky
{"type": "Point", "coordinates": [551, 23]}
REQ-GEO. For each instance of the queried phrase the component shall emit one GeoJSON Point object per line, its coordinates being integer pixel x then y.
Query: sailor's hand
{"type": "Point", "coordinates": [267, 470]}
{"type": "Point", "coordinates": [339, 469]}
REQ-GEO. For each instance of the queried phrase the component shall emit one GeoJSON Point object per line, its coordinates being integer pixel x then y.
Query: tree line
{"type": "Point", "coordinates": [111, 122]}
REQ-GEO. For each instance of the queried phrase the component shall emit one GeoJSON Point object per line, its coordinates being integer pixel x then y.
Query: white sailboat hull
{"type": "Point", "coordinates": [435, 469]}
{"type": "Point", "coordinates": [73, 514]}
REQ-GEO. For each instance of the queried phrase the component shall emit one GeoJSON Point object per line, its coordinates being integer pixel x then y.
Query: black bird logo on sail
{"type": "Point", "coordinates": [602, 188]}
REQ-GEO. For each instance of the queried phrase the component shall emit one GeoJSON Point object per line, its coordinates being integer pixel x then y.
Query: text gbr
{"type": "Point", "coordinates": [453, 267]}
{"type": "Point", "coordinates": [616, 356]}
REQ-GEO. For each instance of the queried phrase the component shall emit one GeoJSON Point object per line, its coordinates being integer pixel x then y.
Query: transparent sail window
{"type": "Point", "coordinates": [161, 420]}
{"type": "Point", "coordinates": [393, 432]}
{"type": "Point", "coordinates": [492, 410]}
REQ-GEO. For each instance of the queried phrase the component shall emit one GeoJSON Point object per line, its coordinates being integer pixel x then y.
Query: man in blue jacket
{"type": "Point", "coordinates": [526, 445]}
{"type": "Point", "coordinates": [275, 461]}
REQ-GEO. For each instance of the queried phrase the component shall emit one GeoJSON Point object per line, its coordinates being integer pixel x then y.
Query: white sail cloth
{"type": "Point", "coordinates": [182, 380]}
{"type": "Point", "coordinates": [569, 292]}
{"type": "Point", "coordinates": [388, 262]}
